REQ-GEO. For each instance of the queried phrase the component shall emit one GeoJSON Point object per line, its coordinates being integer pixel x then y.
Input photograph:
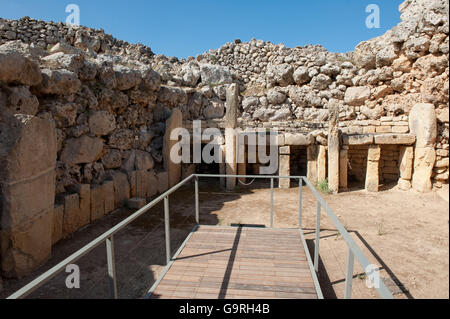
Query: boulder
{"type": "Point", "coordinates": [17, 69]}
{"type": "Point", "coordinates": [101, 123]}
{"type": "Point", "coordinates": [282, 74]}
{"type": "Point", "coordinates": [17, 100]}
{"type": "Point", "coordinates": [59, 82]}
{"type": "Point", "coordinates": [82, 150]}
{"type": "Point", "coordinates": [357, 95]}
{"type": "Point", "coordinates": [215, 74]}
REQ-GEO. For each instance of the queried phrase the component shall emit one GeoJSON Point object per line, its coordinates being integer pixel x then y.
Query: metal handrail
{"type": "Point", "coordinates": [353, 250]}
{"type": "Point", "coordinates": [106, 237]}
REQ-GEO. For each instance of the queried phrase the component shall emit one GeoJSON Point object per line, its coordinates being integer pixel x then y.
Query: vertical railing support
{"type": "Point", "coordinates": [197, 206]}
{"type": "Point", "coordinates": [111, 267]}
{"type": "Point", "coordinates": [349, 274]}
{"type": "Point", "coordinates": [271, 203]}
{"type": "Point", "coordinates": [316, 247]}
{"type": "Point", "coordinates": [300, 202]}
{"type": "Point", "coordinates": [167, 228]}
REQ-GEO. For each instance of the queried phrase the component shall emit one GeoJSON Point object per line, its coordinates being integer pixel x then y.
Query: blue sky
{"type": "Point", "coordinates": [190, 27]}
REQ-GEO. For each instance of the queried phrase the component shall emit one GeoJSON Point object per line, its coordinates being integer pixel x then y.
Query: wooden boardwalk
{"type": "Point", "coordinates": [239, 262]}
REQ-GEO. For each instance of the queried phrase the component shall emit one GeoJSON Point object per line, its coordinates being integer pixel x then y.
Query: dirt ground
{"type": "Point", "coordinates": [405, 234]}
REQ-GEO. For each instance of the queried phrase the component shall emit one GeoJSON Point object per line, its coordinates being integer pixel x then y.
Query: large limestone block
{"type": "Point", "coordinates": [405, 161]}
{"type": "Point", "coordinates": [101, 123]}
{"type": "Point", "coordinates": [372, 173]}
{"type": "Point", "coordinates": [121, 189]}
{"type": "Point", "coordinates": [17, 100]}
{"type": "Point", "coordinates": [163, 182]}
{"type": "Point", "coordinates": [312, 152]}
{"type": "Point", "coordinates": [108, 191]}
{"type": "Point", "coordinates": [423, 124]}
{"type": "Point", "coordinates": [392, 138]}
{"type": "Point", "coordinates": [58, 219]}
{"type": "Point", "coordinates": [82, 150]}
{"type": "Point", "coordinates": [27, 192]}
{"type": "Point", "coordinates": [358, 139]}
{"type": "Point", "coordinates": [284, 170]}
{"type": "Point", "coordinates": [357, 95]}
{"type": "Point", "coordinates": [343, 169]}
{"type": "Point", "coordinates": [59, 82]}
{"type": "Point", "coordinates": [173, 169]}
{"type": "Point", "coordinates": [28, 246]}
{"type": "Point", "coordinates": [215, 74]}
{"type": "Point", "coordinates": [322, 163]}
{"type": "Point", "coordinates": [298, 139]}
{"type": "Point", "coordinates": [424, 159]}
{"type": "Point", "coordinates": [97, 202]}
{"type": "Point", "coordinates": [71, 220]}
{"type": "Point", "coordinates": [15, 68]}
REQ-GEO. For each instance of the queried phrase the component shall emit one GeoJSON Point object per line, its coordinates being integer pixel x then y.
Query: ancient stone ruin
{"type": "Point", "coordinates": [85, 118]}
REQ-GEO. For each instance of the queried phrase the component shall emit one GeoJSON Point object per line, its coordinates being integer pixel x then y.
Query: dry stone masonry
{"type": "Point", "coordinates": [85, 119]}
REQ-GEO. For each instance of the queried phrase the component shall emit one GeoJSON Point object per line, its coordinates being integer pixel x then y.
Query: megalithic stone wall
{"type": "Point", "coordinates": [27, 193]}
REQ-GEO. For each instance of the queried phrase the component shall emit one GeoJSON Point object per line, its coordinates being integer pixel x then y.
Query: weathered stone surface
{"type": "Point", "coordinates": [173, 169]}
{"type": "Point", "coordinates": [298, 139]}
{"type": "Point", "coordinates": [357, 95]}
{"type": "Point", "coordinates": [312, 154]}
{"type": "Point", "coordinates": [122, 139]}
{"type": "Point", "coordinates": [126, 78]}
{"type": "Point", "coordinates": [112, 159]}
{"type": "Point", "coordinates": [61, 82]}
{"type": "Point", "coordinates": [97, 202]}
{"type": "Point", "coordinates": [232, 101]}
{"type": "Point", "coordinates": [322, 164]}
{"type": "Point", "coordinates": [71, 221]}
{"type": "Point", "coordinates": [121, 188]}
{"type": "Point", "coordinates": [81, 150]}
{"type": "Point", "coordinates": [58, 218]}
{"type": "Point", "coordinates": [17, 100]}
{"type": "Point", "coordinates": [163, 181]}
{"type": "Point", "coordinates": [284, 170]}
{"type": "Point", "coordinates": [15, 68]}
{"type": "Point", "coordinates": [343, 169]}
{"type": "Point", "coordinates": [372, 173]}
{"type": "Point", "coordinates": [424, 159]}
{"type": "Point", "coordinates": [285, 150]}
{"type": "Point", "coordinates": [215, 74]}
{"type": "Point", "coordinates": [358, 139]}
{"type": "Point", "coordinates": [143, 160]}
{"type": "Point", "coordinates": [422, 123]}
{"type": "Point", "coordinates": [109, 201]}
{"type": "Point", "coordinates": [282, 74]}
{"type": "Point", "coordinates": [333, 146]}
{"type": "Point", "coordinates": [28, 246]}
{"type": "Point", "coordinates": [101, 123]}
{"type": "Point", "coordinates": [136, 203]}
{"type": "Point", "coordinates": [405, 139]}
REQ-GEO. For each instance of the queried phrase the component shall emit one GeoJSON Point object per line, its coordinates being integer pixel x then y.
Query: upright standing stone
{"type": "Point", "coordinates": [312, 152]}
{"type": "Point", "coordinates": [58, 217]}
{"type": "Point", "coordinates": [223, 167]}
{"type": "Point", "coordinates": [423, 124]}
{"type": "Point", "coordinates": [372, 173]}
{"type": "Point", "coordinates": [333, 146]}
{"type": "Point", "coordinates": [405, 161]}
{"type": "Point", "coordinates": [121, 189]}
{"type": "Point", "coordinates": [284, 166]}
{"type": "Point", "coordinates": [27, 193]}
{"type": "Point", "coordinates": [343, 168]}
{"type": "Point", "coordinates": [97, 202]}
{"type": "Point", "coordinates": [232, 105]}
{"type": "Point", "coordinates": [174, 170]}
{"type": "Point", "coordinates": [322, 164]}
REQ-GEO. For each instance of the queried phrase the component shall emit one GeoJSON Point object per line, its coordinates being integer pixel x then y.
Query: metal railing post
{"type": "Point", "coordinates": [197, 206]}
{"type": "Point", "coordinates": [111, 267]}
{"type": "Point", "coordinates": [271, 203]}
{"type": "Point", "coordinates": [316, 247]}
{"type": "Point", "coordinates": [300, 202]}
{"type": "Point", "coordinates": [167, 228]}
{"type": "Point", "coordinates": [349, 274]}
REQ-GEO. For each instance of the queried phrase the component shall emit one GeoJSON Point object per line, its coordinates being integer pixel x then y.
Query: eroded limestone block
{"type": "Point", "coordinates": [423, 124]}
{"type": "Point", "coordinates": [322, 163]}
{"type": "Point", "coordinates": [97, 202]}
{"type": "Point", "coordinates": [163, 181]}
{"type": "Point", "coordinates": [392, 138]}
{"type": "Point", "coordinates": [298, 139]}
{"type": "Point", "coordinates": [372, 173]}
{"type": "Point", "coordinates": [27, 192]}
{"type": "Point", "coordinates": [359, 139]}
{"type": "Point", "coordinates": [343, 169]}
{"type": "Point", "coordinates": [108, 191]}
{"type": "Point", "coordinates": [58, 219]}
{"type": "Point", "coordinates": [121, 189]}
{"type": "Point", "coordinates": [82, 150]}
{"type": "Point", "coordinates": [284, 170]}
{"type": "Point", "coordinates": [312, 152]}
{"type": "Point", "coordinates": [173, 169]}
{"type": "Point", "coordinates": [405, 161]}
{"type": "Point", "coordinates": [424, 159]}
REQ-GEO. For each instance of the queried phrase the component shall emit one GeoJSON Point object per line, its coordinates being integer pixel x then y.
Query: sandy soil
{"type": "Point", "coordinates": [406, 234]}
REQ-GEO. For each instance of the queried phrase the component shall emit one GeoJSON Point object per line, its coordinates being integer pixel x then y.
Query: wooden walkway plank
{"type": "Point", "coordinates": [239, 262]}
